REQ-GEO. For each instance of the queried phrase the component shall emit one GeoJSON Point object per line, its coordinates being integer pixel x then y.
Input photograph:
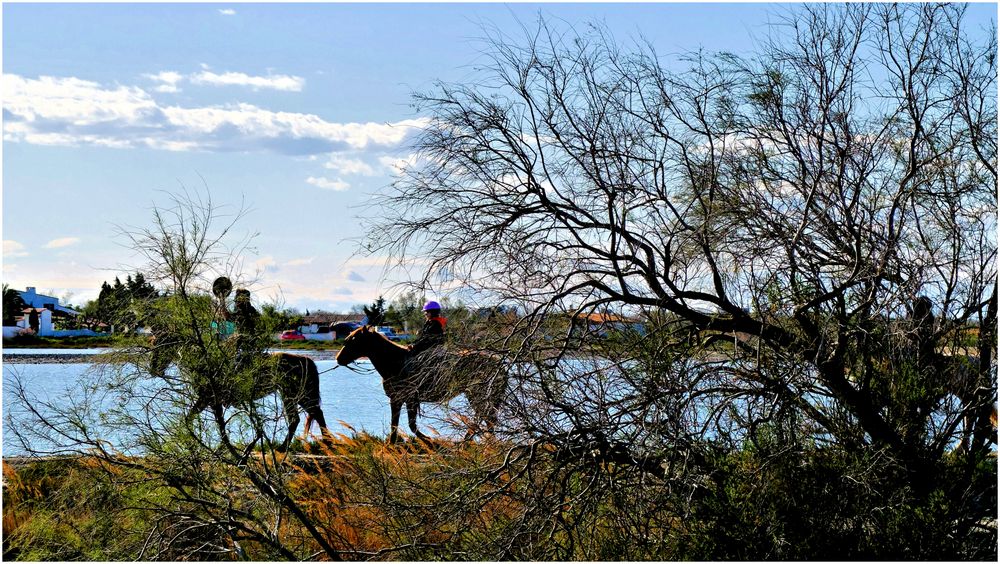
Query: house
{"type": "Point", "coordinates": [33, 299]}
{"type": "Point", "coordinates": [47, 310]}
{"type": "Point", "coordinates": [329, 326]}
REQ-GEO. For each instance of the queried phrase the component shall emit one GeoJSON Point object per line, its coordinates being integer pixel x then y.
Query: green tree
{"type": "Point", "coordinates": [376, 312]}
{"type": "Point", "coordinates": [13, 305]}
{"type": "Point", "coordinates": [120, 305]}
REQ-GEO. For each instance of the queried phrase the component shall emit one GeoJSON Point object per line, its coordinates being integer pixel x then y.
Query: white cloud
{"type": "Point", "coordinates": [300, 261]}
{"type": "Point", "coordinates": [168, 81]}
{"type": "Point", "coordinates": [61, 242]}
{"type": "Point", "coordinates": [12, 249]}
{"type": "Point", "coordinates": [227, 12]}
{"type": "Point", "coordinates": [276, 82]}
{"type": "Point", "coordinates": [74, 102]}
{"type": "Point", "coordinates": [337, 185]}
{"type": "Point", "coordinates": [346, 165]}
{"type": "Point", "coordinates": [72, 112]}
{"type": "Point", "coordinates": [353, 276]}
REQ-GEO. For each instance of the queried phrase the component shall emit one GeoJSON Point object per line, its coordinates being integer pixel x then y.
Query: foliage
{"type": "Point", "coordinates": [280, 319]}
{"type": "Point", "coordinates": [74, 509]}
{"type": "Point", "coordinates": [481, 501]}
{"type": "Point", "coordinates": [376, 312]}
{"type": "Point", "coordinates": [117, 305]}
{"type": "Point", "coordinates": [405, 311]}
{"type": "Point", "coordinates": [12, 305]}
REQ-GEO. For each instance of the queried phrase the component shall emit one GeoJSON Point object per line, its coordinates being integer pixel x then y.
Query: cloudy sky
{"type": "Point", "coordinates": [300, 111]}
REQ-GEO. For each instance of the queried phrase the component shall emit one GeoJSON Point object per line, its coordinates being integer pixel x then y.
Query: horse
{"type": "Point", "coordinates": [429, 377]}
{"type": "Point", "coordinates": [294, 377]}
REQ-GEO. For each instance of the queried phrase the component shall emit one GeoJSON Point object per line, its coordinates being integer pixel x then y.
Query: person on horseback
{"type": "Point", "coordinates": [430, 340]}
{"type": "Point", "coordinates": [245, 318]}
{"type": "Point", "coordinates": [222, 324]}
{"type": "Point", "coordinates": [432, 333]}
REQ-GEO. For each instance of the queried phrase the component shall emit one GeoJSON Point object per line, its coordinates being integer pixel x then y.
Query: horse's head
{"type": "Point", "coordinates": [365, 342]}
{"type": "Point", "coordinates": [356, 345]}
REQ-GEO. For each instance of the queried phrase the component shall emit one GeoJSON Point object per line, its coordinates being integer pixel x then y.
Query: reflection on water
{"type": "Point", "coordinates": [356, 399]}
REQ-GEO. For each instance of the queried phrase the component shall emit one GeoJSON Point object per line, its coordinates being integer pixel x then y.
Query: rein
{"type": "Point", "coordinates": [356, 370]}
{"type": "Point", "coordinates": [350, 367]}
{"type": "Point", "coordinates": [335, 366]}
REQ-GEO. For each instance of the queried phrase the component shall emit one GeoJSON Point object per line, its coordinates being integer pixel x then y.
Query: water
{"type": "Point", "coordinates": [348, 397]}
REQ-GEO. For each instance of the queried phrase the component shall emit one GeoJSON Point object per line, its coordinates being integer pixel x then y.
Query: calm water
{"type": "Point", "coordinates": [349, 397]}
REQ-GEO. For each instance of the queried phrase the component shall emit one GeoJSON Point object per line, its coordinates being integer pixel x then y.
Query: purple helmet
{"type": "Point", "coordinates": [432, 305]}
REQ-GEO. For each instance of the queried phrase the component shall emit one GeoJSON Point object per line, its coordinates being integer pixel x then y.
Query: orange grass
{"type": "Point", "coordinates": [369, 496]}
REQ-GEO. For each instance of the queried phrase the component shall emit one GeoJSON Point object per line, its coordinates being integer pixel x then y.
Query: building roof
{"type": "Point", "coordinates": [34, 299]}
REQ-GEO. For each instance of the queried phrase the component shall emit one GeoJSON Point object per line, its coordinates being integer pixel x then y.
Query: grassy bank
{"type": "Point", "coordinates": [81, 508]}
{"type": "Point", "coordinates": [309, 345]}
{"type": "Point", "coordinates": [485, 500]}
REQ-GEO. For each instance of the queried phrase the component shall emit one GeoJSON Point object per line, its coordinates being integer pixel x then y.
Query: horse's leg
{"type": "Point", "coordinates": [308, 425]}
{"type": "Point", "coordinates": [311, 402]}
{"type": "Point", "coordinates": [395, 406]}
{"type": "Point", "coordinates": [314, 413]}
{"type": "Point", "coordinates": [412, 409]}
{"type": "Point", "coordinates": [292, 417]}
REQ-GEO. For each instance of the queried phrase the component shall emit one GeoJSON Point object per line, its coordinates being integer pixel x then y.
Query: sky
{"type": "Point", "coordinates": [300, 112]}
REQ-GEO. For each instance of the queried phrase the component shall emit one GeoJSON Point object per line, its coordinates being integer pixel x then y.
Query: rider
{"type": "Point", "coordinates": [245, 318]}
{"type": "Point", "coordinates": [222, 325]}
{"type": "Point", "coordinates": [432, 333]}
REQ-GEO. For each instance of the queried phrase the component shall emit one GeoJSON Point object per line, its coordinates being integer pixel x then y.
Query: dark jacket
{"type": "Point", "coordinates": [431, 335]}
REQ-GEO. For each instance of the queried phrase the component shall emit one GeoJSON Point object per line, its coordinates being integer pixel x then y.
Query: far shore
{"type": "Point", "coordinates": [87, 358]}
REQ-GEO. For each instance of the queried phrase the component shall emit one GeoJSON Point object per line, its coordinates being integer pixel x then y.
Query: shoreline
{"type": "Point", "coordinates": [47, 358]}
{"type": "Point", "coordinates": [87, 358]}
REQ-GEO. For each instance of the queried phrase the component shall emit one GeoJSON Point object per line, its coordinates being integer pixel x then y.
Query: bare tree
{"type": "Point", "coordinates": [773, 218]}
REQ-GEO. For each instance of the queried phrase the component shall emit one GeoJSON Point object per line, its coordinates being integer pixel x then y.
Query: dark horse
{"type": "Point", "coordinates": [437, 380]}
{"type": "Point", "coordinates": [294, 377]}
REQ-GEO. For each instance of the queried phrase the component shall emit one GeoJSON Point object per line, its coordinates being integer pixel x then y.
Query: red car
{"type": "Point", "coordinates": [292, 335]}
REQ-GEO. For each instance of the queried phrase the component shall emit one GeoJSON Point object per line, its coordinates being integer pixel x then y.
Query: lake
{"type": "Point", "coordinates": [356, 399]}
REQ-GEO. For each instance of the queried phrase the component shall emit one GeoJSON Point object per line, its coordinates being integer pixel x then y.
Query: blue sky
{"type": "Point", "coordinates": [301, 110]}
